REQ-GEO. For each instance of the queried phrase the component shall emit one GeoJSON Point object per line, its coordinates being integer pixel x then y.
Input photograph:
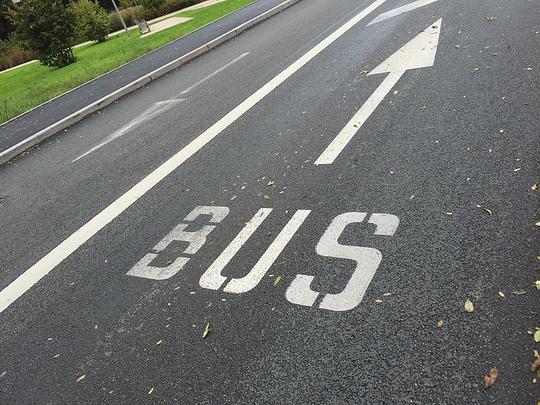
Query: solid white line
{"type": "Point", "coordinates": [35, 273]}
{"type": "Point", "coordinates": [347, 133]}
{"type": "Point", "coordinates": [157, 109]}
{"type": "Point", "coordinates": [401, 10]}
{"type": "Point", "coordinates": [250, 281]}
{"type": "Point", "coordinates": [212, 278]}
{"type": "Point", "coordinates": [221, 69]}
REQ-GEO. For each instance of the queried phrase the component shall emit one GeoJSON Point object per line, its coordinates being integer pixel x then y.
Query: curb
{"type": "Point", "coordinates": [77, 116]}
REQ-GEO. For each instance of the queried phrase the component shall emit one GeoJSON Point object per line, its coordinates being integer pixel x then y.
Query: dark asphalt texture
{"type": "Point", "coordinates": [26, 125]}
{"type": "Point", "coordinates": [451, 138]}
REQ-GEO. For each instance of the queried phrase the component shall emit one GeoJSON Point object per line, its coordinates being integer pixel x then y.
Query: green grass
{"type": "Point", "coordinates": [26, 87]}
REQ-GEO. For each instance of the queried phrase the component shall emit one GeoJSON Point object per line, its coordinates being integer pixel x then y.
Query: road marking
{"type": "Point", "coordinates": [195, 239]}
{"type": "Point", "coordinates": [367, 262]}
{"type": "Point", "coordinates": [46, 264]}
{"type": "Point", "coordinates": [157, 109]}
{"type": "Point", "coordinates": [221, 69]}
{"type": "Point", "coordinates": [250, 281]}
{"type": "Point", "coordinates": [417, 53]}
{"type": "Point", "coordinates": [212, 278]}
{"type": "Point", "coordinates": [401, 10]}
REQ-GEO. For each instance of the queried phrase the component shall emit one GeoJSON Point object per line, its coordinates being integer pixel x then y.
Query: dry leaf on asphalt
{"type": "Point", "coordinates": [491, 377]}
{"type": "Point", "coordinates": [277, 280]}
{"type": "Point", "coordinates": [488, 211]}
{"type": "Point", "coordinates": [82, 377]}
{"type": "Point", "coordinates": [469, 307]}
{"type": "Point", "coordinates": [536, 364]}
{"type": "Point", "coordinates": [501, 294]}
{"type": "Point", "coordinates": [267, 197]}
{"type": "Point", "coordinates": [490, 18]}
{"type": "Point", "coordinates": [535, 187]}
{"type": "Point", "coordinates": [440, 324]}
{"type": "Point", "coordinates": [206, 330]}
{"type": "Point", "coordinates": [151, 390]}
{"type": "Point", "coordinates": [519, 292]}
{"type": "Point", "coordinates": [537, 336]}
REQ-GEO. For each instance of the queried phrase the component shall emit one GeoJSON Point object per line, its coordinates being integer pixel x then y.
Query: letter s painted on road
{"type": "Point", "coordinates": [367, 261]}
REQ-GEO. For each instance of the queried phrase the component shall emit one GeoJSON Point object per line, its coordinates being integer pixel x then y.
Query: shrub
{"type": "Point", "coordinates": [129, 14]}
{"type": "Point", "coordinates": [91, 21]}
{"type": "Point", "coordinates": [13, 54]}
{"type": "Point", "coordinates": [47, 28]}
{"type": "Point", "coordinates": [151, 4]}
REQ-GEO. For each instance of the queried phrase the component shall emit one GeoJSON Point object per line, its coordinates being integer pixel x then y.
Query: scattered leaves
{"type": "Point", "coordinates": [277, 280]}
{"type": "Point", "coordinates": [206, 330]}
{"type": "Point", "coordinates": [491, 377]}
{"type": "Point", "coordinates": [82, 377]}
{"type": "Point", "coordinates": [469, 306]}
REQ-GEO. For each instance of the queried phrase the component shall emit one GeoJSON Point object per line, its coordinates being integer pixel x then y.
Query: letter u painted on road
{"type": "Point", "coordinates": [367, 261]}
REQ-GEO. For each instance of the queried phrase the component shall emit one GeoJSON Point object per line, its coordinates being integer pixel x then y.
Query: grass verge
{"type": "Point", "coordinates": [26, 87]}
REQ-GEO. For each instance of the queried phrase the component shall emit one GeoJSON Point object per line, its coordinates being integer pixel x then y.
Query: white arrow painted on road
{"type": "Point", "coordinates": [158, 108]}
{"type": "Point", "coordinates": [401, 10]}
{"type": "Point", "coordinates": [418, 53]}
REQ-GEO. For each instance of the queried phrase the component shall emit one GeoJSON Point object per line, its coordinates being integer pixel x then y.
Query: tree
{"type": "Point", "coordinates": [91, 21]}
{"type": "Point", "coordinates": [46, 27]}
{"type": "Point", "coordinates": [151, 4]}
{"type": "Point", "coordinates": [5, 26]}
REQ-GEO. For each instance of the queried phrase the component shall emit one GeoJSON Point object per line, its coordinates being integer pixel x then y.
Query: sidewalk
{"type": "Point", "coordinates": [36, 125]}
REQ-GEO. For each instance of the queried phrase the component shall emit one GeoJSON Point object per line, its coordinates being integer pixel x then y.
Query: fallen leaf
{"type": "Point", "coordinates": [501, 294]}
{"type": "Point", "coordinates": [56, 355]}
{"type": "Point", "coordinates": [537, 284]}
{"type": "Point", "coordinates": [158, 342]}
{"type": "Point", "coordinates": [271, 183]}
{"type": "Point", "coordinates": [488, 211]}
{"type": "Point", "coordinates": [82, 377]}
{"type": "Point", "coordinates": [206, 330]}
{"type": "Point", "coordinates": [537, 336]}
{"type": "Point", "coordinates": [469, 307]}
{"type": "Point", "coordinates": [517, 169]}
{"type": "Point", "coordinates": [267, 197]}
{"type": "Point", "coordinates": [379, 301]}
{"type": "Point", "coordinates": [440, 324]}
{"type": "Point", "coordinates": [537, 223]}
{"type": "Point", "coordinates": [536, 364]}
{"type": "Point", "coordinates": [277, 280]}
{"type": "Point", "coordinates": [535, 187]}
{"type": "Point", "coordinates": [519, 292]}
{"type": "Point", "coordinates": [490, 18]}
{"type": "Point", "coordinates": [491, 377]}
{"type": "Point", "coordinates": [387, 294]}
{"type": "Point", "coordinates": [151, 390]}
{"type": "Point", "coordinates": [207, 306]}
{"type": "Point", "coordinates": [396, 92]}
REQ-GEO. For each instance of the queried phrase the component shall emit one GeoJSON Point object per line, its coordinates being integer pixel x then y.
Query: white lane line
{"type": "Point", "coordinates": [39, 270]}
{"type": "Point", "coordinates": [250, 281]}
{"type": "Point", "coordinates": [212, 278]}
{"type": "Point", "coordinates": [221, 69]}
{"type": "Point", "coordinates": [353, 126]}
{"type": "Point", "coordinates": [401, 10]}
{"type": "Point", "coordinates": [157, 109]}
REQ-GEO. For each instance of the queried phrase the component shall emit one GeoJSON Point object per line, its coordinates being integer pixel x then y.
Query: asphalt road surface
{"type": "Point", "coordinates": [296, 217]}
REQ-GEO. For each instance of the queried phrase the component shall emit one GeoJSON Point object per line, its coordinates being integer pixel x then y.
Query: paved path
{"type": "Point", "coordinates": [19, 129]}
{"type": "Point", "coordinates": [297, 217]}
